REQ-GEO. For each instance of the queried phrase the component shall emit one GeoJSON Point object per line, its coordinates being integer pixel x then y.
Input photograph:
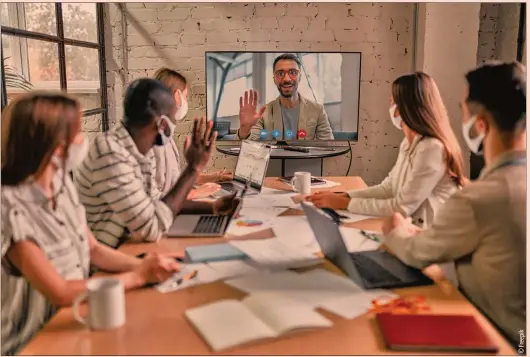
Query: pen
{"type": "Point", "coordinates": [369, 236]}
{"type": "Point", "coordinates": [187, 277]}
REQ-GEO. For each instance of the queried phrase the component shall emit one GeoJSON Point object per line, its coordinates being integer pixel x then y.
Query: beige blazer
{"type": "Point", "coordinates": [312, 118]}
{"type": "Point", "coordinates": [482, 229]}
{"type": "Point", "coordinates": [167, 169]}
{"type": "Point", "coordinates": [416, 187]}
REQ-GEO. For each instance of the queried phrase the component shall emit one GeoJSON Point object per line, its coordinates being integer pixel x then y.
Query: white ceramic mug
{"type": "Point", "coordinates": [301, 182]}
{"type": "Point", "coordinates": [106, 304]}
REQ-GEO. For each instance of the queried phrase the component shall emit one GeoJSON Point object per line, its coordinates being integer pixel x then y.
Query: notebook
{"type": "Point", "coordinates": [213, 252]}
{"type": "Point", "coordinates": [228, 323]}
{"type": "Point", "coordinates": [406, 332]}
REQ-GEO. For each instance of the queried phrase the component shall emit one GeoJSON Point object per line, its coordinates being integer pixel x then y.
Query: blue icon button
{"type": "Point", "coordinates": [289, 134]}
{"type": "Point", "coordinates": [276, 134]}
{"type": "Point", "coordinates": [263, 134]}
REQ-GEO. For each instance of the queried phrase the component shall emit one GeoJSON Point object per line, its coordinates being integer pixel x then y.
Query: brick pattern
{"type": "Point", "coordinates": [177, 34]}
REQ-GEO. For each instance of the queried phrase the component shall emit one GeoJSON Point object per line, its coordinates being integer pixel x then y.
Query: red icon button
{"type": "Point", "coordinates": [301, 134]}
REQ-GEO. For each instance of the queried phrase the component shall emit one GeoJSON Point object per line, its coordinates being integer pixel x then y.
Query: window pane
{"type": "Point", "coordinates": [36, 17]}
{"type": "Point", "coordinates": [80, 21]}
{"type": "Point", "coordinates": [332, 77]}
{"type": "Point", "coordinates": [82, 75]}
{"type": "Point", "coordinates": [29, 64]}
{"type": "Point", "coordinates": [229, 105]}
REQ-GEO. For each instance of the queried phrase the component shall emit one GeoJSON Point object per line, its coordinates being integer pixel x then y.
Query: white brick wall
{"type": "Point", "coordinates": [179, 33]}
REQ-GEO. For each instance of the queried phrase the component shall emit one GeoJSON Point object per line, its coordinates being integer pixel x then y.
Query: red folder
{"type": "Point", "coordinates": [408, 332]}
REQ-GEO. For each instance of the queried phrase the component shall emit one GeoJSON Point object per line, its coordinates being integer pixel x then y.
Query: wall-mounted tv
{"type": "Point", "coordinates": [284, 96]}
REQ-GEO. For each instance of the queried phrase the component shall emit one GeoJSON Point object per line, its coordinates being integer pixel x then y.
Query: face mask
{"type": "Point", "coordinates": [395, 120]}
{"type": "Point", "coordinates": [162, 138]}
{"type": "Point", "coordinates": [474, 144]}
{"type": "Point", "coordinates": [183, 110]}
{"type": "Point", "coordinates": [76, 155]}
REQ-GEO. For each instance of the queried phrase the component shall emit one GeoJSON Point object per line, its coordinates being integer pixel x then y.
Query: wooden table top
{"type": "Point", "coordinates": [156, 324]}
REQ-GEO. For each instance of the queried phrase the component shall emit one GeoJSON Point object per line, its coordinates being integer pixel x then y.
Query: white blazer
{"type": "Point", "coordinates": [416, 187]}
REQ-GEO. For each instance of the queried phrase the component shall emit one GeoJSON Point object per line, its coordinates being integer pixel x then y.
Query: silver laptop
{"type": "Point", "coordinates": [368, 269]}
{"type": "Point", "coordinates": [204, 225]}
{"type": "Point", "coordinates": [252, 165]}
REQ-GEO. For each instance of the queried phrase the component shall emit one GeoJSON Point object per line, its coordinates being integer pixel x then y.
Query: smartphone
{"type": "Point", "coordinates": [314, 180]}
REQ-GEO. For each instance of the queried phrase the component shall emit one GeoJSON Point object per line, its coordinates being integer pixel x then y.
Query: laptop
{"type": "Point", "coordinates": [204, 225]}
{"type": "Point", "coordinates": [251, 166]}
{"type": "Point", "coordinates": [368, 269]}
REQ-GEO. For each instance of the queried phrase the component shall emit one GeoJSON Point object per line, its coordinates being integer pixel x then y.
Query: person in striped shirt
{"type": "Point", "coordinates": [116, 180]}
{"type": "Point", "coordinates": [47, 247]}
{"type": "Point", "coordinates": [167, 157]}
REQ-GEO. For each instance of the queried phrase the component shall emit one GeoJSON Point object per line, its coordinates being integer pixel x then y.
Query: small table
{"type": "Point", "coordinates": [313, 161]}
{"type": "Point", "coordinates": [156, 324]}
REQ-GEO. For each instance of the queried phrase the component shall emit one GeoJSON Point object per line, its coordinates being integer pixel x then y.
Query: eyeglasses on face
{"type": "Point", "coordinates": [293, 73]}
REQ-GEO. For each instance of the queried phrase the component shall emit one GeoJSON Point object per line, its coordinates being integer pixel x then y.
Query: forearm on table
{"type": "Point", "coordinates": [111, 260]}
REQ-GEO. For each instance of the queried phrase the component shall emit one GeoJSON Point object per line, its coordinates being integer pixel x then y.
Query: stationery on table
{"type": "Point", "coordinates": [253, 219]}
{"type": "Point", "coordinates": [228, 323]}
{"type": "Point", "coordinates": [213, 252]}
{"type": "Point", "coordinates": [359, 240]}
{"type": "Point", "coordinates": [421, 332]}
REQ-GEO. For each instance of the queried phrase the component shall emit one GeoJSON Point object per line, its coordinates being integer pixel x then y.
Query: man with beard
{"type": "Point", "coordinates": [290, 116]}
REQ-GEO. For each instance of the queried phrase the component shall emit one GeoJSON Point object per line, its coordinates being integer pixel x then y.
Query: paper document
{"type": "Point", "coordinates": [269, 200]}
{"type": "Point", "coordinates": [232, 268]}
{"type": "Point", "coordinates": [273, 191]}
{"type": "Point", "coordinates": [356, 242]}
{"type": "Point", "coordinates": [328, 184]}
{"type": "Point", "coordinates": [274, 253]}
{"type": "Point", "coordinates": [295, 231]}
{"type": "Point", "coordinates": [357, 304]}
{"type": "Point", "coordinates": [253, 219]}
{"type": "Point", "coordinates": [352, 217]}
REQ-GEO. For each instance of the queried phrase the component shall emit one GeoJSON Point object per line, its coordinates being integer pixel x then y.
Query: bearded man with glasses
{"type": "Point", "coordinates": [290, 116]}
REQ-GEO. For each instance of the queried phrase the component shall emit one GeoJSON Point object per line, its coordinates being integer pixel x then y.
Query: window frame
{"type": "Point", "coordinates": [61, 41]}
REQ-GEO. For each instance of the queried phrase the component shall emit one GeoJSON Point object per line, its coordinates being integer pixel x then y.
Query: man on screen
{"type": "Point", "coordinates": [288, 117]}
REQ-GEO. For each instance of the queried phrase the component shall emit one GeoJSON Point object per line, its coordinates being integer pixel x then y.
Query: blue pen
{"type": "Point", "coordinates": [369, 236]}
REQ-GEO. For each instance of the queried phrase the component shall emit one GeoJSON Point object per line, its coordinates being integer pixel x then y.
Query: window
{"type": "Point", "coordinates": [56, 46]}
{"type": "Point", "coordinates": [238, 80]}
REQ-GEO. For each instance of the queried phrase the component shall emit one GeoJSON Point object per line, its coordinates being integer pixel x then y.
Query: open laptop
{"type": "Point", "coordinates": [368, 269]}
{"type": "Point", "coordinates": [252, 165]}
{"type": "Point", "coordinates": [204, 225]}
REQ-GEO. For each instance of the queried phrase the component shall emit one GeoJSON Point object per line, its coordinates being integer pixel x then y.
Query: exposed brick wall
{"type": "Point", "coordinates": [177, 34]}
{"type": "Point", "coordinates": [499, 26]}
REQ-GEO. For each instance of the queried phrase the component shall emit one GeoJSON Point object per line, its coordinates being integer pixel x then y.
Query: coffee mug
{"type": "Point", "coordinates": [301, 182]}
{"type": "Point", "coordinates": [106, 304]}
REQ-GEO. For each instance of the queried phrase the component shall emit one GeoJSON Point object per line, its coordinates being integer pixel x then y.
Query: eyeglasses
{"type": "Point", "coordinates": [293, 73]}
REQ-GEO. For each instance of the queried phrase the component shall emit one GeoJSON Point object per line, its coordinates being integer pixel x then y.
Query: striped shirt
{"type": "Point", "coordinates": [61, 233]}
{"type": "Point", "coordinates": [116, 184]}
{"type": "Point", "coordinates": [167, 159]}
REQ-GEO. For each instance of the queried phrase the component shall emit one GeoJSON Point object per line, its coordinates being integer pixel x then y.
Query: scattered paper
{"type": "Point", "coordinates": [328, 184]}
{"type": "Point", "coordinates": [353, 217]}
{"type": "Point", "coordinates": [356, 242]}
{"type": "Point", "coordinates": [205, 275]}
{"type": "Point", "coordinates": [273, 253]}
{"type": "Point", "coordinates": [269, 200]}
{"type": "Point", "coordinates": [355, 305]}
{"type": "Point", "coordinates": [233, 268]}
{"type": "Point", "coordinates": [273, 191]}
{"type": "Point", "coordinates": [252, 219]}
{"type": "Point", "coordinates": [295, 231]}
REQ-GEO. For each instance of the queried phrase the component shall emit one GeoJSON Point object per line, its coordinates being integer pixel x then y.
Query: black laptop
{"type": "Point", "coordinates": [369, 269]}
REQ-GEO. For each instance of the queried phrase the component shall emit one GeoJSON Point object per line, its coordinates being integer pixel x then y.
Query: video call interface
{"type": "Point", "coordinates": [327, 84]}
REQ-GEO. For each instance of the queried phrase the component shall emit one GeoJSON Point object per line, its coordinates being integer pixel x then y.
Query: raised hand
{"type": "Point", "coordinates": [248, 112]}
{"type": "Point", "coordinates": [199, 146]}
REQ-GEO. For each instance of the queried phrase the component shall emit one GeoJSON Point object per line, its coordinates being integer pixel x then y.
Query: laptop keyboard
{"type": "Point", "coordinates": [373, 272]}
{"type": "Point", "coordinates": [228, 187]}
{"type": "Point", "coordinates": [210, 224]}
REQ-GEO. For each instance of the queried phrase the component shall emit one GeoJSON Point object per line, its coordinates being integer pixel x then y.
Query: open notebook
{"type": "Point", "coordinates": [228, 323]}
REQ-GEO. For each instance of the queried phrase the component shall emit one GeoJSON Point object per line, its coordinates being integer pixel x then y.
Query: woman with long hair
{"type": "Point", "coordinates": [47, 248]}
{"type": "Point", "coordinates": [429, 167]}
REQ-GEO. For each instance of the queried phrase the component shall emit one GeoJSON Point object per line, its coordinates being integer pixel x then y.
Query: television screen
{"type": "Point", "coordinates": [283, 96]}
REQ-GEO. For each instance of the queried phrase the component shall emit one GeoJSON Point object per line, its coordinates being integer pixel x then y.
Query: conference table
{"type": "Point", "coordinates": [156, 324]}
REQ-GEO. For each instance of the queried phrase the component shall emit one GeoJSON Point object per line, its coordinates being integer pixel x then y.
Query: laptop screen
{"type": "Point", "coordinates": [252, 163]}
{"type": "Point", "coordinates": [329, 239]}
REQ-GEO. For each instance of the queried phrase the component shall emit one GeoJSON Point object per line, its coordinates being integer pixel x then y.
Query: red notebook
{"type": "Point", "coordinates": [407, 332]}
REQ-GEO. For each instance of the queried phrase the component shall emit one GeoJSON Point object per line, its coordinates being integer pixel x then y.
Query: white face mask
{"type": "Point", "coordinates": [76, 155]}
{"type": "Point", "coordinates": [473, 143]}
{"type": "Point", "coordinates": [164, 139]}
{"type": "Point", "coordinates": [395, 120]}
{"type": "Point", "coordinates": [183, 110]}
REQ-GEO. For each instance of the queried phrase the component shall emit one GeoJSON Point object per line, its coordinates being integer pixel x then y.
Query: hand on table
{"type": "Point", "coordinates": [218, 176]}
{"type": "Point", "coordinates": [203, 191]}
{"type": "Point", "coordinates": [329, 200]}
{"type": "Point", "coordinates": [226, 204]}
{"type": "Point", "coordinates": [398, 221]}
{"type": "Point", "coordinates": [156, 268]}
